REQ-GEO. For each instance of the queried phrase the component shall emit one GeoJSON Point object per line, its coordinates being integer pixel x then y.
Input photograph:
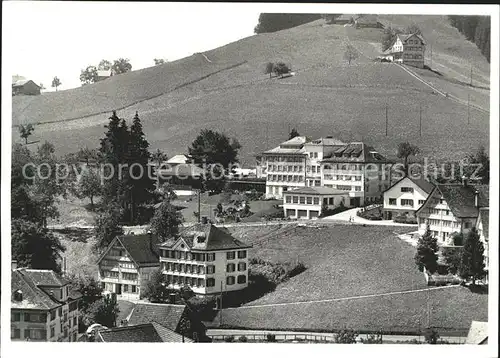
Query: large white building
{"type": "Point", "coordinates": [408, 49]}
{"type": "Point", "coordinates": [354, 167]}
{"type": "Point", "coordinates": [127, 264]}
{"type": "Point", "coordinates": [406, 196]}
{"type": "Point", "coordinates": [205, 258]}
{"type": "Point", "coordinates": [43, 308]}
{"type": "Point", "coordinates": [359, 170]}
{"type": "Point", "coordinates": [308, 202]}
{"type": "Point", "coordinates": [452, 208]}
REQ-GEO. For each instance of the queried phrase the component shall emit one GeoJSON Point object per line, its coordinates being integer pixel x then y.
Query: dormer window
{"type": "Point", "coordinates": [18, 295]}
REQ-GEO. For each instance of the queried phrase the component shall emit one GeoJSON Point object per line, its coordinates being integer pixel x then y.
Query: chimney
{"type": "Point", "coordinates": [13, 265]}
{"type": "Point", "coordinates": [476, 199]}
{"type": "Point", "coordinates": [464, 181]}
{"type": "Point", "coordinates": [171, 298]}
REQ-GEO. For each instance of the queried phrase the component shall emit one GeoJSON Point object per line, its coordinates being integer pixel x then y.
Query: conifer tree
{"type": "Point", "coordinates": [426, 256]}
{"type": "Point", "coordinates": [473, 258]}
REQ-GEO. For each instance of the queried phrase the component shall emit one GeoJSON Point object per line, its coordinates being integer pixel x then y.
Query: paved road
{"type": "Point", "coordinates": [352, 214]}
{"type": "Point", "coordinates": [329, 337]}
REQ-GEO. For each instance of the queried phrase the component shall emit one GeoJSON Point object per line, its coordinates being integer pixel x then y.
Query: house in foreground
{"type": "Point", "coordinates": [452, 208]}
{"type": "Point", "coordinates": [308, 202]}
{"type": "Point", "coordinates": [127, 263]}
{"type": "Point", "coordinates": [405, 197]}
{"type": "Point", "coordinates": [148, 333]}
{"type": "Point", "coordinates": [205, 258]}
{"type": "Point", "coordinates": [43, 308]}
{"type": "Point", "coordinates": [169, 316]}
{"type": "Point", "coordinates": [25, 87]}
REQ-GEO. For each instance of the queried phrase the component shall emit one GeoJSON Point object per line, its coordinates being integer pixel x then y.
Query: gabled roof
{"type": "Point", "coordinates": [104, 73]}
{"type": "Point", "coordinates": [148, 332]}
{"type": "Point", "coordinates": [328, 141]}
{"type": "Point", "coordinates": [355, 152]}
{"type": "Point", "coordinates": [44, 277]}
{"type": "Point", "coordinates": [421, 183]}
{"type": "Point", "coordinates": [142, 249]}
{"type": "Point", "coordinates": [478, 333]}
{"type": "Point", "coordinates": [317, 190]}
{"type": "Point", "coordinates": [167, 315]}
{"type": "Point", "coordinates": [367, 19]}
{"type": "Point", "coordinates": [207, 237]}
{"type": "Point", "coordinates": [33, 297]}
{"type": "Point", "coordinates": [405, 37]}
{"type": "Point", "coordinates": [179, 159]}
{"type": "Point", "coordinates": [21, 83]}
{"type": "Point", "coordinates": [461, 198]}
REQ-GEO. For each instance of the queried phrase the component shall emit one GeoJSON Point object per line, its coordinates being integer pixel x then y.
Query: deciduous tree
{"type": "Point", "coordinates": [121, 65]}
{"type": "Point", "coordinates": [166, 220]}
{"type": "Point", "coordinates": [56, 82]}
{"type": "Point", "coordinates": [405, 150]}
{"type": "Point", "coordinates": [104, 65]}
{"type": "Point", "coordinates": [268, 69]}
{"type": "Point", "coordinates": [88, 75]}
{"type": "Point", "coordinates": [107, 224]}
{"type": "Point", "coordinates": [25, 130]}
{"type": "Point", "coordinates": [103, 311]}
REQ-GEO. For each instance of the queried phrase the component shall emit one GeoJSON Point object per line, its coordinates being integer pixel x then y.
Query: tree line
{"type": "Point", "coordinates": [118, 66]}
{"type": "Point", "coordinates": [476, 29]}
{"type": "Point", "coordinates": [270, 22]}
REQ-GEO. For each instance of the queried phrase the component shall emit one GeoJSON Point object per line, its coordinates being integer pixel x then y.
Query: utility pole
{"type": "Point", "coordinates": [428, 311]}
{"type": "Point", "coordinates": [421, 120]}
{"type": "Point", "coordinates": [431, 56]}
{"type": "Point", "coordinates": [386, 119]}
{"type": "Point", "coordinates": [471, 75]}
{"type": "Point", "coordinates": [221, 303]}
{"type": "Point", "coordinates": [468, 108]}
{"type": "Point", "coordinates": [199, 206]}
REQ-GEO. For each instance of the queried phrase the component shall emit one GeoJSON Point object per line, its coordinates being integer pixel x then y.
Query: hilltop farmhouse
{"type": "Point", "coordinates": [408, 49]}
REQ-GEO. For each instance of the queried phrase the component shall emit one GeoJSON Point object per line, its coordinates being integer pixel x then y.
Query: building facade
{"type": "Point", "coordinates": [408, 49]}
{"type": "Point", "coordinates": [43, 308]}
{"type": "Point", "coordinates": [452, 208]}
{"type": "Point", "coordinates": [359, 170]}
{"type": "Point", "coordinates": [127, 264]}
{"type": "Point", "coordinates": [405, 196]}
{"type": "Point", "coordinates": [205, 258]}
{"type": "Point", "coordinates": [308, 202]}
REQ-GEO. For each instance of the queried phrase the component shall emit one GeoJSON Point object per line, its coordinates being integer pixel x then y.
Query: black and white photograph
{"type": "Point", "coordinates": [310, 176]}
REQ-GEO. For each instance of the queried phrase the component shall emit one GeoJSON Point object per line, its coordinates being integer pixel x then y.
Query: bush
{"type": "Point", "coordinates": [242, 339]}
{"type": "Point", "coordinates": [229, 339]}
{"type": "Point", "coordinates": [271, 337]}
{"type": "Point", "coordinates": [346, 336]}
{"type": "Point", "coordinates": [403, 219]}
{"type": "Point", "coordinates": [431, 336]}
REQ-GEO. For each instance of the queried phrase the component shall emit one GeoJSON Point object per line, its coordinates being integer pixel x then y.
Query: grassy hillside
{"type": "Point", "coordinates": [228, 91]}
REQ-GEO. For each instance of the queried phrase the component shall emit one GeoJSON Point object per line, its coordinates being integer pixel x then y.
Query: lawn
{"type": "Point", "coordinates": [326, 97]}
{"type": "Point", "coordinates": [346, 261]}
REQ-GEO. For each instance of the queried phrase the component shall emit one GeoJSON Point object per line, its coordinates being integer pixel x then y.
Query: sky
{"type": "Point", "coordinates": [59, 39]}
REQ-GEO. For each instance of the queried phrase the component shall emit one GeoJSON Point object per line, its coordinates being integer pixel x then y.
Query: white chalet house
{"type": "Point", "coordinates": [452, 208]}
{"type": "Point", "coordinates": [405, 196]}
{"type": "Point", "coordinates": [127, 264]}
{"type": "Point", "coordinates": [205, 258]}
{"type": "Point", "coordinates": [408, 49]}
{"type": "Point", "coordinates": [307, 203]}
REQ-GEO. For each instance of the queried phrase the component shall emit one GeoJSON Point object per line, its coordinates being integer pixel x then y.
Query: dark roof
{"type": "Point", "coordinates": [355, 152]}
{"type": "Point", "coordinates": [33, 297]}
{"type": "Point", "coordinates": [140, 249]}
{"type": "Point", "coordinates": [21, 83]}
{"type": "Point", "coordinates": [317, 190]}
{"type": "Point", "coordinates": [148, 332]}
{"type": "Point", "coordinates": [405, 37]}
{"type": "Point", "coordinates": [207, 237]}
{"type": "Point", "coordinates": [460, 198]}
{"type": "Point", "coordinates": [367, 19]}
{"type": "Point", "coordinates": [167, 315]}
{"type": "Point", "coordinates": [45, 277]}
{"type": "Point", "coordinates": [421, 183]}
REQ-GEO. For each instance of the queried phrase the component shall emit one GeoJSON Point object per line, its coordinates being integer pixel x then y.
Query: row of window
{"type": "Point", "coordinates": [313, 154]}
{"type": "Point", "coordinates": [433, 211]}
{"type": "Point", "coordinates": [288, 159]}
{"type": "Point", "coordinates": [34, 334]}
{"type": "Point", "coordinates": [412, 56]}
{"type": "Point", "coordinates": [444, 223]}
{"type": "Point", "coordinates": [404, 202]}
{"type": "Point", "coordinates": [284, 168]}
{"type": "Point", "coordinates": [29, 317]}
{"type": "Point", "coordinates": [312, 182]}
{"type": "Point", "coordinates": [289, 178]}
{"type": "Point", "coordinates": [199, 282]}
{"type": "Point", "coordinates": [413, 48]}
{"type": "Point", "coordinates": [313, 168]}
{"type": "Point", "coordinates": [189, 256]}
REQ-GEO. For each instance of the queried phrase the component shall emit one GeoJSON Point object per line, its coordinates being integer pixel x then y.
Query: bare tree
{"type": "Point", "coordinates": [350, 54]}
